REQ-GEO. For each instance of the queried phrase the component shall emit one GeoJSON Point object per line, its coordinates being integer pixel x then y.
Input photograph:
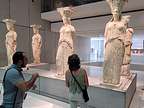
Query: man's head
{"type": "Point", "coordinates": [20, 59]}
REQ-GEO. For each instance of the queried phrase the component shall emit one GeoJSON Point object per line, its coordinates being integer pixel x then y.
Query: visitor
{"type": "Point", "coordinates": [74, 73]}
{"type": "Point", "coordinates": [14, 84]}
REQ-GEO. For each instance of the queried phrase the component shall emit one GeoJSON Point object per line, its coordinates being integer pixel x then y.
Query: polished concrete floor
{"type": "Point", "coordinates": [37, 101]}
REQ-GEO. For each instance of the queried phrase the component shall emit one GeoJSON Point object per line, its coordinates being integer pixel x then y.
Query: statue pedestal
{"type": "Point", "coordinates": [43, 66]}
{"type": "Point", "coordinates": [112, 96]}
{"type": "Point", "coordinates": [101, 96]}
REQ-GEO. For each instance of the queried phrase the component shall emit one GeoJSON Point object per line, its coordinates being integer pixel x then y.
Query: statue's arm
{"type": "Point", "coordinates": [105, 34]}
{"type": "Point", "coordinates": [14, 41]}
{"type": "Point", "coordinates": [40, 41]}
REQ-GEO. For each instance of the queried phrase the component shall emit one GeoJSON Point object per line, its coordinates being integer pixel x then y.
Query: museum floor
{"type": "Point", "coordinates": [37, 101]}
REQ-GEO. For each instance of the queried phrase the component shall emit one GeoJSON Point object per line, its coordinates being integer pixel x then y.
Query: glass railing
{"type": "Point", "coordinates": [99, 57]}
{"type": "Point", "coordinates": [48, 84]}
{"type": "Point", "coordinates": [92, 58]}
{"type": "Point", "coordinates": [49, 5]}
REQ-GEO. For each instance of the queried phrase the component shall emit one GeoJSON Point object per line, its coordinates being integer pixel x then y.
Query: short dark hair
{"type": "Point", "coordinates": [73, 62]}
{"type": "Point", "coordinates": [18, 56]}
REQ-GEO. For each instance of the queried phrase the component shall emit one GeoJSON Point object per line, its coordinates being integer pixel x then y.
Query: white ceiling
{"type": "Point", "coordinates": [95, 26]}
{"type": "Point", "coordinates": [93, 9]}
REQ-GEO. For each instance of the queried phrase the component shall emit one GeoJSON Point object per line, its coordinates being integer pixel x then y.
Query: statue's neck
{"type": "Point", "coordinates": [36, 33]}
{"type": "Point", "coordinates": [11, 30]}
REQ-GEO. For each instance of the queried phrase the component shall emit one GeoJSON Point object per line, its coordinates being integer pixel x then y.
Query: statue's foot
{"type": "Point", "coordinates": [107, 81]}
{"type": "Point", "coordinates": [122, 73]}
{"type": "Point", "coordinates": [37, 62]}
{"type": "Point", "coordinates": [59, 75]}
{"type": "Point", "coordinates": [129, 76]}
{"type": "Point", "coordinates": [115, 81]}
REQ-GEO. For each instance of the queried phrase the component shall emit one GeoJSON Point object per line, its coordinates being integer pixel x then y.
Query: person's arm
{"type": "Point", "coordinates": [67, 79]}
{"type": "Point", "coordinates": [16, 79]}
{"type": "Point", "coordinates": [86, 79]}
{"type": "Point", "coordinates": [26, 85]}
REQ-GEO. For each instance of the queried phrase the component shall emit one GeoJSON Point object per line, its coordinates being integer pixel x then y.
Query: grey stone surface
{"type": "Point", "coordinates": [26, 12]}
{"type": "Point", "coordinates": [19, 11]}
{"type": "Point", "coordinates": [23, 39]}
{"type": "Point", "coordinates": [4, 9]}
{"type": "Point", "coordinates": [100, 97]}
{"type": "Point", "coordinates": [51, 47]}
{"type": "Point", "coordinates": [82, 47]}
{"type": "Point", "coordinates": [3, 54]}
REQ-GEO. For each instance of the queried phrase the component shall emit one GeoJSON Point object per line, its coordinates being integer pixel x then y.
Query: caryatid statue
{"type": "Point", "coordinates": [11, 38]}
{"type": "Point", "coordinates": [65, 44]}
{"type": "Point", "coordinates": [36, 43]}
{"type": "Point", "coordinates": [115, 32]}
{"type": "Point", "coordinates": [128, 43]}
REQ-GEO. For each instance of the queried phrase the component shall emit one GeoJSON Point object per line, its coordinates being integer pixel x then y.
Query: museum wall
{"type": "Point", "coordinates": [94, 27]}
{"type": "Point", "coordinates": [82, 46]}
{"type": "Point", "coordinates": [52, 44]}
{"type": "Point", "coordinates": [26, 12]}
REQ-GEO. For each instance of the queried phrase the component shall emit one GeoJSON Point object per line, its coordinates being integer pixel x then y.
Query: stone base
{"type": "Point", "coordinates": [111, 85]}
{"type": "Point", "coordinates": [60, 76]}
{"type": "Point", "coordinates": [43, 66]}
{"type": "Point", "coordinates": [101, 96]}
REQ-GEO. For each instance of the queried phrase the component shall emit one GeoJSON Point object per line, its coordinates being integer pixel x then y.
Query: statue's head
{"type": "Point", "coordinates": [66, 13]}
{"type": "Point", "coordinates": [9, 24]}
{"type": "Point", "coordinates": [116, 8]}
{"type": "Point", "coordinates": [35, 28]}
{"type": "Point", "coordinates": [125, 19]}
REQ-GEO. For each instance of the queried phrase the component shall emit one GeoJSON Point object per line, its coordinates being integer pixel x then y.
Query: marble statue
{"type": "Point", "coordinates": [65, 44]}
{"type": "Point", "coordinates": [125, 71]}
{"type": "Point", "coordinates": [115, 32]}
{"type": "Point", "coordinates": [36, 43]}
{"type": "Point", "coordinates": [11, 38]}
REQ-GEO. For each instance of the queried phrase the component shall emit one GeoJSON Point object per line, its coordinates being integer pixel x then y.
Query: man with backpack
{"type": "Point", "coordinates": [14, 83]}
